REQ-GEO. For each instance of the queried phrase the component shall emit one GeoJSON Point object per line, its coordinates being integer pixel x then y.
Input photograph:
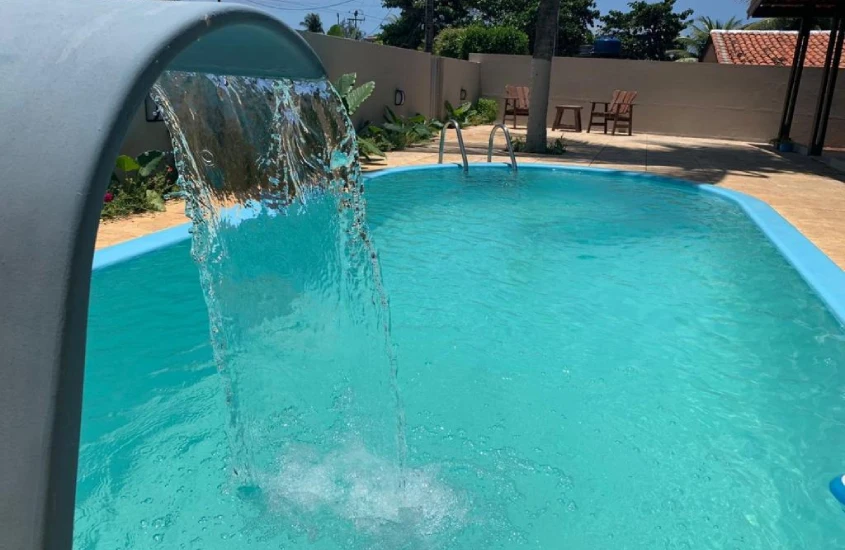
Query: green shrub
{"type": "Point", "coordinates": [398, 132]}
{"type": "Point", "coordinates": [450, 43]}
{"type": "Point", "coordinates": [463, 114]}
{"type": "Point", "coordinates": [505, 40]}
{"type": "Point", "coordinates": [139, 185]}
{"type": "Point", "coordinates": [486, 111]}
{"type": "Point", "coordinates": [459, 43]}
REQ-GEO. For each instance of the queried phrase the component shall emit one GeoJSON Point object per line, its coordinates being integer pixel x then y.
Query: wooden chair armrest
{"type": "Point", "coordinates": [594, 103]}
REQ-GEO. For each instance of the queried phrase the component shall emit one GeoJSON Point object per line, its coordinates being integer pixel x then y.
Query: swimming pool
{"type": "Point", "coordinates": [587, 359]}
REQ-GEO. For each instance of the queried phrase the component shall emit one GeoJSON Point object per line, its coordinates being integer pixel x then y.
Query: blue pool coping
{"type": "Point", "coordinates": [819, 271]}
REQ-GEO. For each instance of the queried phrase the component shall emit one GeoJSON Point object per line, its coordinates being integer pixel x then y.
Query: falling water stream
{"type": "Point", "coordinates": [269, 169]}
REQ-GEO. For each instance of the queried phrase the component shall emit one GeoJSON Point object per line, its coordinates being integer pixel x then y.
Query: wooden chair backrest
{"type": "Point", "coordinates": [520, 96]}
{"type": "Point", "coordinates": [622, 101]}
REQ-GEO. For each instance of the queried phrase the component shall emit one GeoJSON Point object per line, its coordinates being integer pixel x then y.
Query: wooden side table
{"type": "Point", "coordinates": [560, 110]}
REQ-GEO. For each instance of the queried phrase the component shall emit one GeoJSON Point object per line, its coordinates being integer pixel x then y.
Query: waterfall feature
{"type": "Point", "coordinates": [299, 319]}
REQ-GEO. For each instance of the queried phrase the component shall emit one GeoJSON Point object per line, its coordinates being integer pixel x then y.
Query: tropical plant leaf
{"type": "Point", "coordinates": [368, 149]}
{"type": "Point", "coordinates": [355, 97]}
{"type": "Point", "coordinates": [148, 167]}
{"type": "Point", "coordinates": [393, 127]}
{"type": "Point", "coordinates": [422, 130]}
{"type": "Point", "coordinates": [464, 109]}
{"type": "Point", "coordinates": [345, 83]}
{"type": "Point", "coordinates": [389, 115]}
{"type": "Point", "coordinates": [126, 163]}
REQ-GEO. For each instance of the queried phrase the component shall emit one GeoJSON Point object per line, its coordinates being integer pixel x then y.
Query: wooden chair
{"type": "Point", "coordinates": [620, 110]}
{"type": "Point", "coordinates": [516, 102]}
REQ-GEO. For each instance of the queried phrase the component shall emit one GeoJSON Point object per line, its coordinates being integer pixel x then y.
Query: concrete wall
{"type": "Point", "coordinates": [686, 99]}
{"type": "Point", "coordinates": [390, 68]}
{"type": "Point", "coordinates": [145, 136]}
{"type": "Point", "coordinates": [455, 75]}
{"type": "Point", "coordinates": [427, 81]}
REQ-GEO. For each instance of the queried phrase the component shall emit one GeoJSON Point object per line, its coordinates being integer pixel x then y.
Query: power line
{"type": "Point", "coordinates": [383, 19]}
{"type": "Point", "coordinates": [354, 21]}
{"type": "Point", "coordinates": [309, 8]}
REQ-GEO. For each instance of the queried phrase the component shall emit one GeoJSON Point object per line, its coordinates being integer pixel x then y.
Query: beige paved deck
{"type": "Point", "coordinates": [807, 193]}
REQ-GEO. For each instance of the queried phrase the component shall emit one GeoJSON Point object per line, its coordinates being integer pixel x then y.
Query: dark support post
{"type": "Point", "coordinates": [429, 25]}
{"type": "Point", "coordinates": [795, 77]}
{"type": "Point", "coordinates": [828, 86]}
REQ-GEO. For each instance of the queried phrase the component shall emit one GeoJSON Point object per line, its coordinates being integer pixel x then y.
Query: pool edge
{"type": "Point", "coordinates": [814, 266]}
{"type": "Point", "coordinates": [121, 252]}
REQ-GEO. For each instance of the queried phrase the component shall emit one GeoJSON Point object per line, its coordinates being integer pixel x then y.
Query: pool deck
{"type": "Point", "coordinates": [808, 193]}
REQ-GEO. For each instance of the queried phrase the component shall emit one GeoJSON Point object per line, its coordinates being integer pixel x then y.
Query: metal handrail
{"type": "Point", "coordinates": [507, 140]}
{"type": "Point", "coordinates": [453, 123]}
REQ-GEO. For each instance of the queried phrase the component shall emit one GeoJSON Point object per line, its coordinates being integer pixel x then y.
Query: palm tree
{"type": "Point", "coordinates": [312, 23]}
{"type": "Point", "coordinates": [541, 71]}
{"type": "Point", "coordinates": [787, 24]}
{"type": "Point", "coordinates": [700, 29]}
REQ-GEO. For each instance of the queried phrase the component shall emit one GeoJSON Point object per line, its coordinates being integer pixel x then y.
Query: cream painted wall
{"type": "Point", "coordinates": [456, 75]}
{"type": "Point", "coordinates": [686, 99]}
{"type": "Point", "coordinates": [390, 68]}
{"type": "Point", "coordinates": [145, 136]}
{"type": "Point", "coordinates": [426, 80]}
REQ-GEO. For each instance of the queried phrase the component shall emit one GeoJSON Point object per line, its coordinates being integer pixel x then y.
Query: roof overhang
{"type": "Point", "coordinates": [794, 8]}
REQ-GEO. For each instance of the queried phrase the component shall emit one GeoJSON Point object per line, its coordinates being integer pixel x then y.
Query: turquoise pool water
{"type": "Point", "coordinates": [586, 361]}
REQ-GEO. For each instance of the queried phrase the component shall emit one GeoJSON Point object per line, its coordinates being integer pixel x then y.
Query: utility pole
{"type": "Point", "coordinates": [429, 25]}
{"type": "Point", "coordinates": [354, 20]}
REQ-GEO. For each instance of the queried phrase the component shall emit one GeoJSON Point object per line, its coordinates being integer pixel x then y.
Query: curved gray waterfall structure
{"type": "Point", "coordinates": [73, 74]}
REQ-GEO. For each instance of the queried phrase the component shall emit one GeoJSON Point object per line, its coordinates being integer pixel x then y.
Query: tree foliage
{"type": "Point", "coordinates": [407, 30]}
{"type": "Point", "coordinates": [459, 43]}
{"type": "Point", "coordinates": [575, 19]}
{"type": "Point", "coordinates": [787, 24]}
{"type": "Point", "coordinates": [699, 32]}
{"type": "Point", "coordinates": [648, 30]}
{"type": "Point", "coordinates": [345, 30]}
{"type": "Point", "coordinates": [312, 23]}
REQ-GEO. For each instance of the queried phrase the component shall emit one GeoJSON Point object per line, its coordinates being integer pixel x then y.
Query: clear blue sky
{"type": "Point", "coordinates": [292, 11]}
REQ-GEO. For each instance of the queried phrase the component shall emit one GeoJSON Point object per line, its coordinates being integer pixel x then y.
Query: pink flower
{"type": "Point", "coordinates": [108, 197]}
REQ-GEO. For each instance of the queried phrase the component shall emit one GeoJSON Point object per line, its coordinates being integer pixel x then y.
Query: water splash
{"type": "Point", "coordinates": [274, 191]}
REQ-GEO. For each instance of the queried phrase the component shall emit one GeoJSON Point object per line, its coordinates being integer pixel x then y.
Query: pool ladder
{"type": "Point", "coordinates": [507, 141]}
{"type": "Point", "coordinates": [453, 123]}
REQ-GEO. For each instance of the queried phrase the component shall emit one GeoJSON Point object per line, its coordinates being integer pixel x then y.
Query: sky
{"type": "Point", "coordinates": [292, 11]}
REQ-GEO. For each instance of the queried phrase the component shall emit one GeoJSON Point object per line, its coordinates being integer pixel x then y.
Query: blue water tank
{"type": "Point", "coordinates": [607, 46]}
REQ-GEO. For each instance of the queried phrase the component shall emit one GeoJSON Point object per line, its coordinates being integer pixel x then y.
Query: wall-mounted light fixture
{"type": "Point", "coordinates": [399, 97]}
{"type": "Point", "coordinates": [463, 94]}
{"type": "Point", "coordinates": [152, 111]}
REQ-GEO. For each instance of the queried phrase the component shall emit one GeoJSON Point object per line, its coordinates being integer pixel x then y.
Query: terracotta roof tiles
{"type": "Point", "coordinates": [775, 48]}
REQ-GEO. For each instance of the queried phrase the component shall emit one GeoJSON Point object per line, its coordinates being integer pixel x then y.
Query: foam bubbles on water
{"type": "Point", "coordinates": [368, 491]}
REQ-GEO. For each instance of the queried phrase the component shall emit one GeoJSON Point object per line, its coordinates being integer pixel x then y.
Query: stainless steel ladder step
{"type": "Point", "coordinates": [507, 141]}
{"type": "Point", "coordinates": [453, 123]}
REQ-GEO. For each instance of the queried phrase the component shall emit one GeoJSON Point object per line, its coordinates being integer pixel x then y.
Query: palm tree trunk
{"type": "Point", "coordinates": [541, 72]}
